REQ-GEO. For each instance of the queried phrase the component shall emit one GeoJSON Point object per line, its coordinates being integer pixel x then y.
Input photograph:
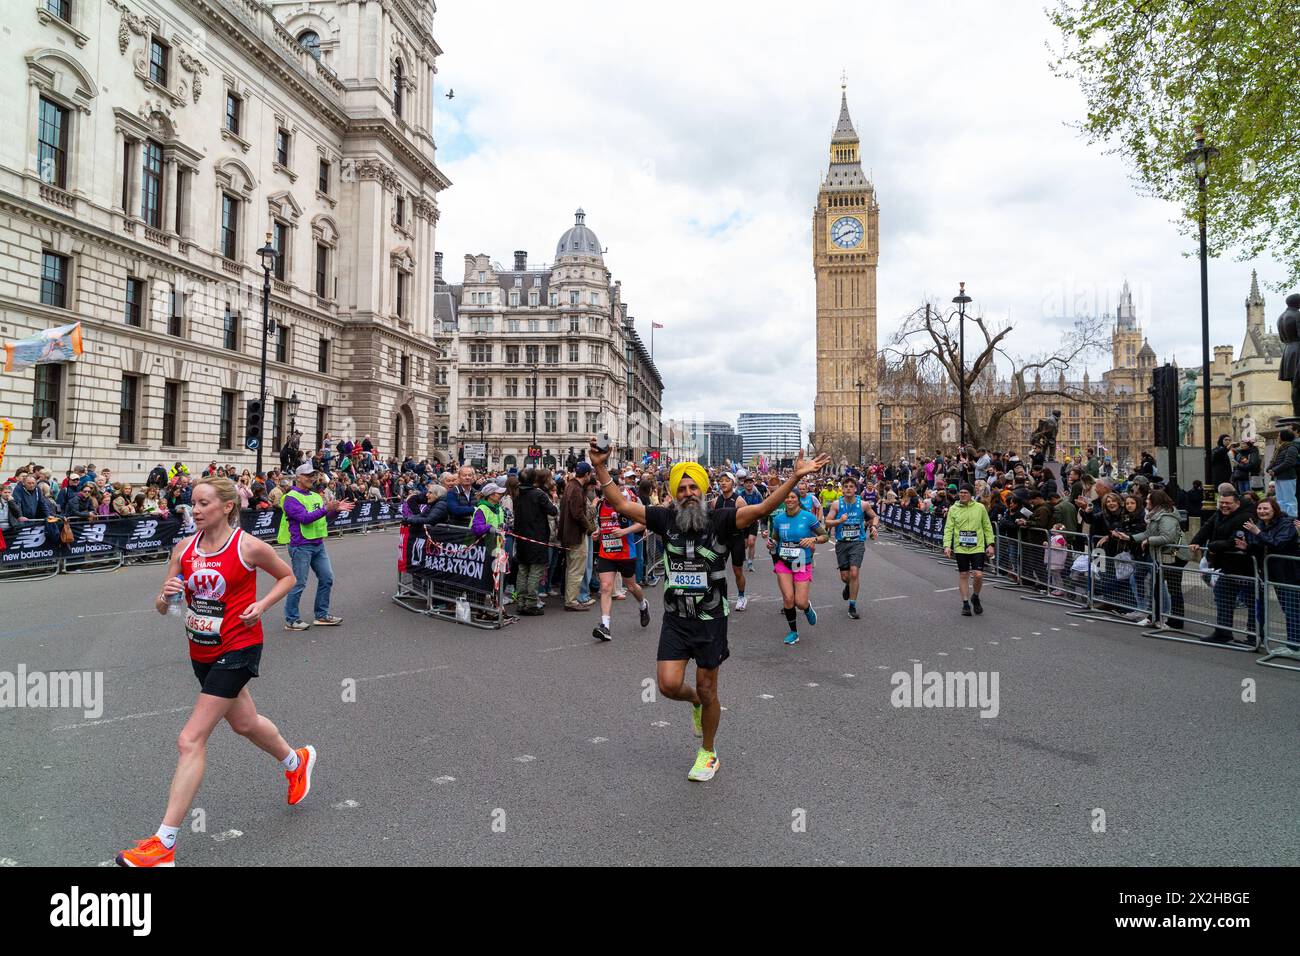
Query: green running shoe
{"type": "Point", "coordinates": [706, 765]}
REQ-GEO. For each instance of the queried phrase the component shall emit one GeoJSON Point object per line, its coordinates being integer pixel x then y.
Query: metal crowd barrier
{"type": "Point", "coordinates": [1208, 598]}
{"type": "Point", "coordinates": [423, 594]}
{"type": "Point", "coordinates": [1280, 613]}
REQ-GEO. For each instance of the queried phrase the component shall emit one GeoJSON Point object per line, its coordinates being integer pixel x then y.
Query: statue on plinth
{"type": "Point", "coordinates": [1044, 436]}
{"type": "Point", "coordinates": [1288, 330]}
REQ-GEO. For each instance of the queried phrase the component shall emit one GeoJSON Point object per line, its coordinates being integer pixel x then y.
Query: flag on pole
{"type": "Point", "coordinates": [655, 325]}
{"type": "Point", "coordinates": [61, 344]}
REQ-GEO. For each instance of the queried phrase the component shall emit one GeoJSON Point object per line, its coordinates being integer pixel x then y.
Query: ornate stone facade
{"type": "Point", "coordinates": [149, 164]}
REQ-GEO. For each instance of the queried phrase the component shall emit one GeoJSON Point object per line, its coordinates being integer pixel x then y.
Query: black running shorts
{"type": "Point", "coordinates": [848, 554]}
{"type": "Point", "coordinates": [738, 551]}
{"type": "Point", "coordinates": [227, 675]}
{"type": "Point", "coordinates": [625, 567]}
{"type": "Point", "coordinates": [970, 562]}
{"type": "Point", "coordinates": [689, 639]}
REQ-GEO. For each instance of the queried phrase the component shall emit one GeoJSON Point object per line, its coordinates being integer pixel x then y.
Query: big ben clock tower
{"type": "Point", "coordinates": [846, 248]}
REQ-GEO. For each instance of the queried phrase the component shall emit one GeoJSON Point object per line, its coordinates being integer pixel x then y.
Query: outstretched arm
{"type": "Point", "coordinates": [748, 514]}
{"type": "Point", "coordinates": [613, 496]}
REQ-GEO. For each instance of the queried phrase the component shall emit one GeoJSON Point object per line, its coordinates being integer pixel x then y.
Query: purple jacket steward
{"type": "Point", "coordinates": [298, 515]}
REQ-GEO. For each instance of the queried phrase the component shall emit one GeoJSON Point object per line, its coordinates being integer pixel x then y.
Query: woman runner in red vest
{"type": "Point", "coordinates": [223, 621]}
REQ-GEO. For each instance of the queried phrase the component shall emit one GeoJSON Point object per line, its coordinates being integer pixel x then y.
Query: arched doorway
{"type": "Point", "coordinates": [404, 433]}
{"type": "Point", "coordinates": [508, 462]}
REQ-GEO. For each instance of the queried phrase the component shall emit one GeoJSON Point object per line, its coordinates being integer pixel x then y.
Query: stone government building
{"type": "Point", "coordinates": [151, 148]}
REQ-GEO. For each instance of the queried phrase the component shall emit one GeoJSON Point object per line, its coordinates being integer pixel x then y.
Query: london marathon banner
{"type": "Point", "coordinates": [450, 557]}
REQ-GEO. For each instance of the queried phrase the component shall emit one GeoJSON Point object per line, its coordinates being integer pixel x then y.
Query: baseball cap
{"type": "Point", "coordinates": [306, 468]}
{"type": "Point", "coordinates": [584, 468]}
{"type": "Point", "coordinates": [491, 488]}
{"type": "Point", "coordinates": [742, 474]}
{"type": "Point", "coordinates": [727, 474]}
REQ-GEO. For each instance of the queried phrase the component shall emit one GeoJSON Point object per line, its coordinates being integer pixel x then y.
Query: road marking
{"type": "Point", "coordinates": [113, 720]}
{"type": "Point", "coordinates": [1056, 628]}
{"type": "Point", "coordinates": [1016, 638]}
{"type": "Point", "coordinates": [422, 670]}
{"type": "Point", "coordinates": [896, 597]}
{"type": "Point", "coordinates": [346, 805]}
{"type": "Point", "coordinates": [848, 675]}
{"type": "Point", "coordinates": [1036, 633]}
{"type": "Point", "coordinates": [525, 758]}
{"type": "Point", "coordinates": [597, 740]}
{"type": "Point", "coordinates": [766, 696]}
{"type": "Point", "coordinates": [942, 653]}
{"type": "Point", "coordinates": [810, 684]}
{"type": "Point", "coordinates": [992, 642]}
{"type": "Point", "coordinates": [942, 590]}
{"type": "Point", "coordinates": [227, 835]}
{"type": "Point", "coordinates": [5, 861]}
{"type": "Point", "coordinates": [566, 647]}
{"type": "Point", "coordinates": [147, 610]}
{"type": "Point", "coordinates": [968, 648]}
{"type": "Point", "coordinates": [444, 779]}
{"type": "Point", "coordinates": [1072, 624]}
{"type": "Point", "coordinates": [660, 723]}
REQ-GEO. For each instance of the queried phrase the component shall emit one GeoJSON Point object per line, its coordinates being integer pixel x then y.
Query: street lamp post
{"type": "Point", "coordinates": [294, 404]}
{"type": "Point", "coordinates": [267, 255]}
{"type": "Point", "coordinates": [961, 298]}
{"type": "Point", "coordinates": [1199, 159]}
{"type": "Point", "coordinates": [880, 431]}
{"type": "Point", "coordinates": [535, 410]}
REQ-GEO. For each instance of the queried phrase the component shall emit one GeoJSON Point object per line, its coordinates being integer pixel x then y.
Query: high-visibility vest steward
{"type": "Point", "coordinates": [311, 530]}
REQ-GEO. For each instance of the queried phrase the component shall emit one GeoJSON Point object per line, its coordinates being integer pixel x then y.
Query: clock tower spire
{"type": "Point", "coordinates": [846, 249]}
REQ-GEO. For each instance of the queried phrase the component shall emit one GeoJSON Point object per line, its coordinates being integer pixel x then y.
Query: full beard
{"type": "Point", "coordinates": [691, 517]}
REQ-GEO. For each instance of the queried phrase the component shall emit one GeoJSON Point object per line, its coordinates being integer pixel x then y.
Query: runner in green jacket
{"type": "Point", "coordinates": [968, 532]}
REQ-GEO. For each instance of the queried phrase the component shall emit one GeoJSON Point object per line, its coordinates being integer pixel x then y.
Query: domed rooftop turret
{"type": "Point", "coordinates": [579, 240]}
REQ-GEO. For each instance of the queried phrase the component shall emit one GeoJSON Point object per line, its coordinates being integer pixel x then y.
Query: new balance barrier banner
{"type": "Point", "coordinates": [31, 543]}
{"type": "Point", "coordinates": [262, 525]}
{"type": "Point", "coordinates": [451, 557]}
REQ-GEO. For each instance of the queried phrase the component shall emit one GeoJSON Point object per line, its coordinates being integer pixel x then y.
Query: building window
{"type": "Point", "coordinates": [573, 323]}
{"type": "Point", "coordinates": [530, 387]}
{"type": "Point", "coordinates": [309, 40]}
{"type": "Point", "coordinates": [512, 422]}
{"type": "Point", "coordinates": [401, 295]}
{"type": "Point", "coordinates": [530, 423]}
{"type": "Point", "coordinates": [530, 354]}
{"type": "Point", "coordinates": [52, 143]}
{"type": "Point", "coordinates": [175, 312]}
{"type": "Point", "coordinates": [512, 325]}
{"type": "Point", "coordinates": [533, 300]}
{"type": "Point", "coordinates": [322, 269]}
{"type": "Point", "coordinates": [514, 297]}
{"type": "Point", "coordinates": [552, 355]}
{"type": "Point", "coordinates": [552, 388]}
{"type": "Point", "coordinates": [480, 388]}
{"type": "Point", "coordinates": [278, 423]}
{"type": "Point", "coordinates": [405, 373]}
{"type": "Point", "coordinates": [128, 156]}
{"type": "Point", "coordinates": [171, 414]}
{"type": "Point", "coordinates": [593, 422]}
{"type": "Point", "coordinates": [282, 147]}
{"type": "Point", "coordinates": [400, 211]}
{"type": "Point", "coordinates": [323, 177]}
{"type": "Point", "coordinates": [281, 343]}
{"type": "Point", "coordinates": [323, 356]}
{"type": "Point", "coordinates": [182, 195]}
{"type": "Point", "coordinates": [151, 185]}
{"type": "Point", "coordinates": [398, 82]}
{"type": "Point", "coordinates": [45, 400]}
{"type": "Point", "coordinates": [322, 419]}
{"type": "Point", "coordinates": [234, 106]}
{"type": "Point", "coordinates": [548, 419]}
{"type": "Point", "coordinates": [158, 61]}
{"type": "Point", "coordinates": [597, 355]}
{"type": "Point", "coordinates": [54, 279]}
{"type": "Point", "coordinates": [226, 430]}
{"type": "Point", "coordinates": [480, 353]}
{"type": "Point", "coordinates": [229, 226]}
{"type": "Point", "coordinates": [512, 355]}
{"type": "Point", "coordinates": [280, 243]}
{"type": "Point", "coordinates": [595, 298]}
{"type": "Point", "coordinates": [555, 298]}
{"type": "Point", "coordinates": [512, 387]}
{"type": "Point", "coordinates": [230, 332]}
{"type": "Point", "coordinates": [573, 388]}
{"type": "Point", "coordinates": [130, 400]}
{"type": "Point", "coordinates": [573, 298]}
{"type": "Point", "coordinates": [135, 299]}
{"type": "Point", "coordinates": [573, 421]}
{"type": "Point", "coordinates": [60, 8]}
{"type": "Point", "coordinates": [573, 351]}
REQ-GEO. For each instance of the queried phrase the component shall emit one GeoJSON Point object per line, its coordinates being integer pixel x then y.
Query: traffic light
{"type": "Point", "coordinates": [1164, 396]}
{"type": "Point", "coordinates": [253, 425]}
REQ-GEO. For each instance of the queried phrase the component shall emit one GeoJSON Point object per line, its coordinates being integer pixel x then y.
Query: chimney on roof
{"type": "Point", "coordinates": [437, 265]}
{"type": "Point", "coordinates": [521, 260]}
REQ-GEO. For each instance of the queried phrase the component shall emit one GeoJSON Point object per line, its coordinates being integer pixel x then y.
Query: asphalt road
{"type": "Point", "coordinates": [534, 745]}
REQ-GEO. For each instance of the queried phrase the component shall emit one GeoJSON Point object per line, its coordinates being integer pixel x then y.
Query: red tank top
{"type": "Point", "coordinates": [218, 588]}
{"type": "Point", "coordinates": [609, 545]}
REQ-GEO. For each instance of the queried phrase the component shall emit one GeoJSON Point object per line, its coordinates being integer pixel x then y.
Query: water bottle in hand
{"type": "Point", "coordinates": [176, 600]}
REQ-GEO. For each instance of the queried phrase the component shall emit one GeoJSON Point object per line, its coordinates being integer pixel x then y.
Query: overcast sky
{"type": "Point", "coordinates": [695, 136]}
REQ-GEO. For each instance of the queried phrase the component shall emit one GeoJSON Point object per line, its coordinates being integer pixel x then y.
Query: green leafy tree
{"type": "Point", "coordinates": [1154, 70]}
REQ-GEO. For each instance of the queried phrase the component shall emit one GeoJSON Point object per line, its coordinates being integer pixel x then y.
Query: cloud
{"type": "Point", "coordinates": [695, 138]}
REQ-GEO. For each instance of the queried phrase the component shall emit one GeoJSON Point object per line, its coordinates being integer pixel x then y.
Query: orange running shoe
{"type": "Point", "coordinates": [300, 779]}
{"type": "Point", "coordinates": [150, 852]}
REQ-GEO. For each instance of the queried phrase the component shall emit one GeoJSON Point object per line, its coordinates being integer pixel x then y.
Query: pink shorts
{"type": "Point", "coordinates": [804, 575]}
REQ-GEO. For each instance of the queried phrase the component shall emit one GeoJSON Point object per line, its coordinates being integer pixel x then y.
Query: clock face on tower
{"type": "Point", "coordinates": [846, 232]}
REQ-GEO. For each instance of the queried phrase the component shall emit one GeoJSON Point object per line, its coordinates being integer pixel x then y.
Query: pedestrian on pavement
{"type": "Point", "coordinates": [303, 528]}
{"type": "Point", "coordinates": [575, 528]}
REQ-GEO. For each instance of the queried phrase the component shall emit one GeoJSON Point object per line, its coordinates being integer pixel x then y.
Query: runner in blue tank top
{"type": "Point", "coordinates": [848, 517]}
{"type": "Point", "coordinates": [752, 495]}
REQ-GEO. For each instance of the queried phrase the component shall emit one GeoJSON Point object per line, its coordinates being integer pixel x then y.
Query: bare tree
{"type": "Point", "coordinates": [923, 368]}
